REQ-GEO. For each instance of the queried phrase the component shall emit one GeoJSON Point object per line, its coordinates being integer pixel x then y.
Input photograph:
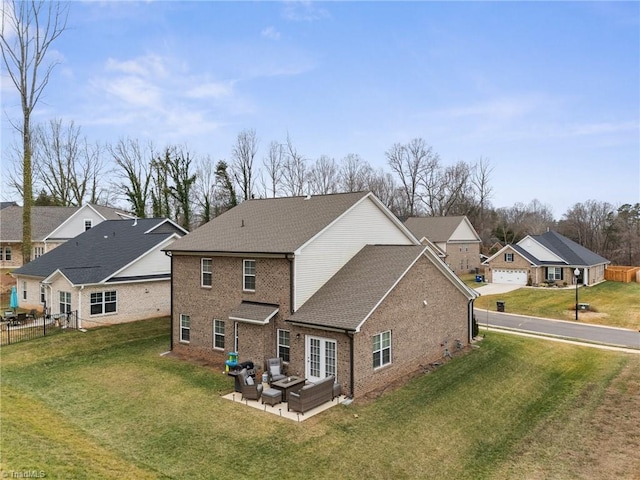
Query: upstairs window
{"type": "Point", "coordinates": [7, 253]}
{"type": "Point", "coordinates": [249, 276]}
{"type": "Point", "coordinates": [38, 252]}
{"type": "Point", "coordinates": [508, 257]}
{"type": "Point", "coordinates": [88, 224]}
{"type": "Point", "coordinates": [206, 272]}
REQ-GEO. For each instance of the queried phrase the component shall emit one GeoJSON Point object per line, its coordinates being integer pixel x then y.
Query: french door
{"type": "Point", "coordinates": [322, 355]}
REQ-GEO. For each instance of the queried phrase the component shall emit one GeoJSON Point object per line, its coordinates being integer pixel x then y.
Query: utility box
{"type": "Point", "coordinates": [583, 306]}
{"type": "Point", "coordinates": [500, 306]}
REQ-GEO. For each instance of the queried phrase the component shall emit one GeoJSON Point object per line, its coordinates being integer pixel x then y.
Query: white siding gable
{"type": "Point", "coordinates": [154, 262]}
{"type": "Point", "coordinates": [538, 251]}
{"type": "Point", "coordinates": [74, 225]}
{"type": "Point", "coordinates": [322, 257]}
{"type": "Point", "coordinates": [464, 233]}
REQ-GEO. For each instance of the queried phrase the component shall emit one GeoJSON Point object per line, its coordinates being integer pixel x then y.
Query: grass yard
{"type": "Point", "coordinates": [616, 304]}
{"type": "Point", "coordinates": [105, 405]}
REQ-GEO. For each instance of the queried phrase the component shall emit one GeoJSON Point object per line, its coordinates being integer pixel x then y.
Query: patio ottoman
{"type": "Point", "coordinates": [271, 396]}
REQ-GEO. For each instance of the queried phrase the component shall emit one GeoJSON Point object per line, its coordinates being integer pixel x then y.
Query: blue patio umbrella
{"type": "Point", "coordinates": [13, 301]}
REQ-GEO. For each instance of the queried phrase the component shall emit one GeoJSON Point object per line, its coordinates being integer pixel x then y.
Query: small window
{"type": "Point", "coordinates": [43, 298]}
{"type": "Point", "coordinates": [284, 343]}
{"type": "Point", "coordinates": [382, 349]}
{"type": "Point", "coordinates": [65, 302]}
{"type": "Point", "coordinates": [206, 270]}
{"type": "Point", "coordinates": [7, 254]}
{"type": "Point", "coordinates": [249, 275]}
{"type": "Point", "coordinates": [554, 273]}
{"type": "Point", "coordinates": [218, 334]}
{"type": "Point", "coordinates": [38, 252]}
{"type": "Point", "coordinates": [24, 290]}
{"type": "Point", "coordinates": [185, 328]}
{"type": "Point", "coordinates": [508, 257]}
{"type": "Point", "coordinates": [88, 223]}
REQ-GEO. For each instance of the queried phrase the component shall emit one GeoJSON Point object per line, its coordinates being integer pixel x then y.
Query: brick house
{"type": "Point", "coordinates": [50, 227]}
{"type": "Point", "coordinates": [112, 273]}
{"type": "Point", "coordinates": [547, 258]}
{"type": "Point", "coordinates": [332, 284]}
{"type": "Point", "coordinates": [457, 241]}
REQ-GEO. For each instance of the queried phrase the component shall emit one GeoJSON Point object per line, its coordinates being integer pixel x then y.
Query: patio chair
{"type": "Point", "coordinates": [248, 386]}
{"type": "Point", "coordinates": [21, 318]}
{"type": "Point", "coordinates": [276, 370]}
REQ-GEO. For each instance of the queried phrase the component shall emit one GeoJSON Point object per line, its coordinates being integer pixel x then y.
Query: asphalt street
{"type": "Point", "coordinates": [560, 328]}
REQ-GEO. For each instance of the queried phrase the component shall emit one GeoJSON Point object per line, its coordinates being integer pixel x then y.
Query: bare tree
{"type": "Point", "coordinates": [205, 189]}
{"type": "Point", "coordinates": [383, 186]}
{"type": "Point", "coordinates": [183, 179]}
{"type": "Point", "coordinates": [66, 165]}
{"type": "Point", "coordinates": [410, 163]}
{"type": "Point", "coordinates": [294, 171]}
{"type": "Point", "coordinates": [228, 198]}
{"type": "Point", "coordinates": [480, 180]}
{"type": "Point", "coordinates": [273, 163]}
{"type": "Point", "coordinates": [592, 225]}
{"type": "Point", "coordinates": [354, 174]}
{"type": "Point", "coordinates": [242, 158]}
{"type": "Point", "coordinates": [27, 31]}
{"type": "Point", "coordinates": [323, 178]}
{"type": "Point", "coordinates": [134, 172]}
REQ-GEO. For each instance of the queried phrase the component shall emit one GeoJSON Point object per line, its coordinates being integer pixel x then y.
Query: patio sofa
{"type": "Point", "coordinates": [311, 395]}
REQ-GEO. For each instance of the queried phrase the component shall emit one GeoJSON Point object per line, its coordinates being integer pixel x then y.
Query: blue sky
{"type": "Point", "coordinates": [548, 92]}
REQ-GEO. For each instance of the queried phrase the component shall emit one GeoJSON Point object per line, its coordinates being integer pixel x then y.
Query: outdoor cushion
{"type": "Point", "coordinates": [249, 380]}
{"type": "Point", "coordinates": [274, 369]}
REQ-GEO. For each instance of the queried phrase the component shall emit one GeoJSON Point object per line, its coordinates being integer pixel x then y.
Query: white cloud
{"type": "Point", "coordinates": [304, 11]}
{"type": "Point", "coordinates": [271, 33]}
{"type": "Point", "coordinates": [147, 66]}
{"type": "Point", "coordinates": [210, 90]}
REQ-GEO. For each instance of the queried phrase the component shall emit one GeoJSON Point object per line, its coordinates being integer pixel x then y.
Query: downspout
{"type": "Point", "coordinates": [291, 282]}
{"type": "Point", "coordinates": [80, 307]}
{"type": "Point", "coordinates": [470, 314]}
{"type": "Point", "coordinates": [352, 383]}
{"type": "Point", "coordinates": [171, 301]}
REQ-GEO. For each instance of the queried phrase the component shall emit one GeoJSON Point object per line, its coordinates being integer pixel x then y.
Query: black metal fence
{"type": "Point", "coordinates": [27, 327]}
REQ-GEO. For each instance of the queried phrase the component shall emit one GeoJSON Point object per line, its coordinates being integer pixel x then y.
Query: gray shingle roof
{"type": "Point", "coordinates": [101, 251]}
{"type": "Point", "coordinates": [274, 225]}
{"type": "Point", "coordinates": [44, 220]}
{"type": "Point", "coordinates": [254, 312]}
{"type": "Point", "coordinates": [352, 293]}
{"type": "Point", "coordinates": [571, 252]}
{"type": "Point", "coordinates": [436, 229]}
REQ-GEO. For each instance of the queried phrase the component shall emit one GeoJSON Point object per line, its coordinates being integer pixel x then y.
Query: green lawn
{"type": "Point", "coordinates": [616, 304]}
{"type": "Point", "coordinates": [105, 404]}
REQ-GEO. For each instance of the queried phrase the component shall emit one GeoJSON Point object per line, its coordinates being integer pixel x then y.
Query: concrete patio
{"type": "Point", "coordinates": [280, 409]}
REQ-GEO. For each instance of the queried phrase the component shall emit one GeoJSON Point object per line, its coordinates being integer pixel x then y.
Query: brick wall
{"type": "Point", "coordinates": [463, 257]}
{"type": "Point", "coordinates": [204, 304]}
{"type": "Point", "coordinates": [418, 331]}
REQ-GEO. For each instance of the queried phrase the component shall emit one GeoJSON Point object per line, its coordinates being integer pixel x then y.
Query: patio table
{"type": "Point", "coordinates": [289, 384]}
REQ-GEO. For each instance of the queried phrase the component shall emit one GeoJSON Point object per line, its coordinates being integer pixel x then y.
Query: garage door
{"type": "Point", "coordinates": [513, 277]}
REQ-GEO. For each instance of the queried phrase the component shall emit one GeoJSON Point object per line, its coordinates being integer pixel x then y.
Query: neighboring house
{"type": "Point", "coordinates": [545, 258]}
{"type": "Point", "coordinates": [455, 238]}
{"type": "Point", "coordinates": [50, 227]}
{"type": "Point", "coordinates": [332, 284]}
{"type": "Point", "coordinates": [114, 272]}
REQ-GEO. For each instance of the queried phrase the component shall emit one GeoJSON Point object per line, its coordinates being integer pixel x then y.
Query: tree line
{"type": "Point", "coordinates": [176, 182]}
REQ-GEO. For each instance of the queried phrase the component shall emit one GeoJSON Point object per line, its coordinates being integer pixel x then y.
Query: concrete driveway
{"type": "Point", "coordinates": [495, 288]}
